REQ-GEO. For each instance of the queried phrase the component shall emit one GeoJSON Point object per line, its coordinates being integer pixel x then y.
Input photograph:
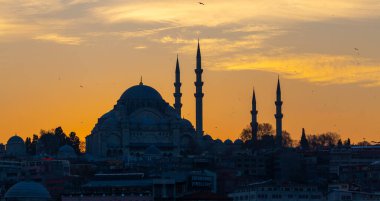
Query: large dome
{"type": "Point", "coordinates": [140, 92]}
{"type": "Point", "coordinates": [27, 190]}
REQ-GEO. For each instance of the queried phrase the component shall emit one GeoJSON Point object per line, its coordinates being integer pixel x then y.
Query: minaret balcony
{"type": "Point", "coordinates": [198, 71]}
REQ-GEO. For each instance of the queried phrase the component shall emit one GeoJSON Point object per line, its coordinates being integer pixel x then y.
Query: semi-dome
{"type": "Point", "coordinates": [27, 190]}
{"type": "Point", "coordinates": [187, 123]}
{"type": "Point", "coordinates": [15, 140]}
{"type": "Point", "coordinates": [141, 92]}
{"type": "Point", "coordinates": [207, 138]}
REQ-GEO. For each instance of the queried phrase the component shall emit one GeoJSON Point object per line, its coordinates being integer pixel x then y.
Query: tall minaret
{"type": "Point", "coordinates": [254, 124]}
{"type": "Point", "coordinates": [278, 115]}
{"type": "Point", "coordinates": [177, 94]}
{"type": "Point", "coordinates": [199, 94]}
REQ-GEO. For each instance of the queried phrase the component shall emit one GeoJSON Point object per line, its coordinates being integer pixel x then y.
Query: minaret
{"type": "Point", "coordinates": [199, 94]}
{"type": "Point", "coordinates": [177, 94]}
{"type": "Point", "coordinates": [254, 124]}
{"type": "Point", "coordinates": [278, 115]}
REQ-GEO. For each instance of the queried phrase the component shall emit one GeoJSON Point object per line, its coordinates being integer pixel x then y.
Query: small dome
{"type": "Point", "coordinates": [141, 92]}
{"type": "Point", "coordinates": [15, 147]}
{"type": "Point", "coordinates": [207, 138]}
{"type": "Point", "coordinates": [228, 142]}
{"type": "Point", "coordinates": [15, 140]}
{"type": "Point", "coordinates": [66, 151]}
{"type": "Point", "coordinates": [238, 141]}
{"type": "Point", "coordinates": [219, 141]}
{"type": "Point", "coordinates": [27, 190]}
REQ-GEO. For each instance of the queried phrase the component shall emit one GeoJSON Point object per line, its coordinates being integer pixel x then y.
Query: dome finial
{"type": "Point", "coordinates": [141, 83]}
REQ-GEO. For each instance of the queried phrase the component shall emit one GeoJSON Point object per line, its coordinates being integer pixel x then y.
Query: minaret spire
{"type": "Point", "coordinates": [177, 85]}
{"type": "Point", "coordinates": [141, 83]}
{"type": "Point", "coordinates": [278, 115]}
{"type": "Point", "coordinates": [304, 144]}
{"type": "Point", "coordinates": [199, 94]}
{"type": "Point", "coordinates": [254, 124]}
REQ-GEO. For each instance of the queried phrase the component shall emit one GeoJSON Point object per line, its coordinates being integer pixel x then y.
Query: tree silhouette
{"type": "Point", "coordinates": [34, 145]}
{"type": "Point", "coordinates": [363, 143]}
{"type": "Point", "coordinates": [286, 139]}
{"type": "Point", "coordinates": [52, 140]}
{"type": "Point", "coordinates": [28, 144]}
{"type": "Point", "coordinates": [347, 142]}
{"type": "Point", "coordinates": [73, 140]}
{"type": "Point", "coordinates": [265, 129]}
{"type": "Point", "coordinates": [265, 134]}
{"type": "Point", "coordinates": [323, 140]}
{"type": "Point", "coordinates": [246, 134]}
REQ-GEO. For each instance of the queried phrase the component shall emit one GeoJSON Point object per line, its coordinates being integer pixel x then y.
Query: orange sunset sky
{"type": "Point", "coordinates": [327, 54]}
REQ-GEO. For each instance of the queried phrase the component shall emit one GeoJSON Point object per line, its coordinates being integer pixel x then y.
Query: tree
{"type": "Point", "coordinates": [323, 140]}
{"type": "Point", "coordinates": [34, 144]}
{"type": "Point", "coordinates": [74, 142]}
{"type": "Point", "coordinates": [82, 147]}
{"type": "Point", "coordinates": [364, 143]}
{"type": "Point", "coordinates": [264, 129]}
{"type": "Point", "coordinates": [61, 136]}
{"type": "Point", "coordinates": [48, 142]}
{"type": "Point", "coordinates": [347, 142]}
{"type": "Point", "coordinates": [286, 139]}
{"type": "Point", "coordinates": [265, 136]}
{"type": "Point", "coordinates": [28, 143]}
{"type": "Point", "coordinates": [246, 134]}
{"type": "Point", "coordinates": [340, 144]}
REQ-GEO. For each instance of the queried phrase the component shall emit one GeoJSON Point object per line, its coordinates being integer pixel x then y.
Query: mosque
{"type": "Point", "coordinates": [143, 123]}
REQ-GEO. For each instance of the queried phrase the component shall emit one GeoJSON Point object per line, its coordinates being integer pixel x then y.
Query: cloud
{"type": "Point", "coordinates": [60, 39]}
{"type": "Point", "coordinates": [316, 68]}
{"type": "Point", "coordinates": [218, 12]}
{"type": "Point", "coordinates": [140, 47]}
{"type": "Point", "coordinates": [218, 46]}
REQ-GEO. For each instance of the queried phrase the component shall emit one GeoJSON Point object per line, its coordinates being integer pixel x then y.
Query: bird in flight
{"type": "Point", "coordinates": [81, 86]}
{"type": "Point", "coordinates": [201, 3]}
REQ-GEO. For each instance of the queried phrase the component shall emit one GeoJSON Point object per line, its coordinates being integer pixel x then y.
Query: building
{"type": "Point", "coordinates": [345, 195]}
{"type": "Point", "coordinates": [142, 121]}
{"type": "Point", "coordinates": [106, 197]}
{"type": "Point", "coordinates": [272, 192]}
{"type": "Point", "coordinates": [10, 172]}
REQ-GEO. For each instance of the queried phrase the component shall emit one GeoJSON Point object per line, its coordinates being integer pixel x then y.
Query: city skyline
{"type": "Point", "coordinates": [68, 75]}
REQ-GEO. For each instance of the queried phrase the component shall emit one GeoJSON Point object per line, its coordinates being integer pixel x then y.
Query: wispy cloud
{"type": "Point", "coordinates": [140, 47]}
{"type": "Point", "coordinates": [56, 38]}
{"type": "Point", "coordinates": [238, 32]}
{"type": "Point", "coordinates": [215, 13]}
{"type": "Point", "coordinates": [316, 68]}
